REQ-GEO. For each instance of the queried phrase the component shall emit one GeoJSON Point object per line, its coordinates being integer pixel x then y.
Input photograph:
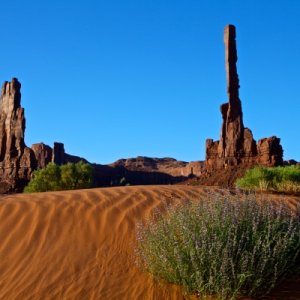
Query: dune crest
{"type": "Point", "coordinates": [79, 244]}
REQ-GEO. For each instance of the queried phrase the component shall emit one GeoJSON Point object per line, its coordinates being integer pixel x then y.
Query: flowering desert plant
{"type": "Point", "coordinates": [225, 246]}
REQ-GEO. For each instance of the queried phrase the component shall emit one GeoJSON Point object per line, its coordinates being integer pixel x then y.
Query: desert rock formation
{"type": "Point", "coordinates": [237, 146]}
{"type": "Point", "coordinates": [166, 165]}
{"type": "Point", "coordinates": [226, 159]}
{"type": "Point", "coordinates": [17, 161]}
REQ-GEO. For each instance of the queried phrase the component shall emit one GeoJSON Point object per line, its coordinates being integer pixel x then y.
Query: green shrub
{"type": "Point", "coordinates": [223, 246]}
{"type": "Point", "coordinates": [282, 179]}
{"type": "Point", "coordinates": [56, 178]}
{"type": "Point", "coordinates": [76, 176]}
{"type": "Point", "coordinates": [47, 179]}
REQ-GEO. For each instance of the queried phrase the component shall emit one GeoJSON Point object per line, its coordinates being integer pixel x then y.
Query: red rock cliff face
{"type": "Point", "coordinates": [236, 145]}
{"type": "Point", "coordinates": [16, 160]}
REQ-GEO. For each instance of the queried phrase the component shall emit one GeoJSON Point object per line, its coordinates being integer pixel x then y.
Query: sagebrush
{"type": "Point", "coordinates": [224, 246]}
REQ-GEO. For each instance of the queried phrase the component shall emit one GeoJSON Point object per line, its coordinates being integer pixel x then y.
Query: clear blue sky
{"type": "Point", "coordinates": [120, 78]}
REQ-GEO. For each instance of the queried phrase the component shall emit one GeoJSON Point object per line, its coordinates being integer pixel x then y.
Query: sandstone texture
{"type": "Point", "coordinates": [166, 165]}
{"type": "Point", "coordinates": [237, 146]}
{"type": "Point", "coordinates": [17, 161]}
{"type": "Point", "coordinates": [43, 154]}
{"type": "Point", "coordinates": [146, 170]}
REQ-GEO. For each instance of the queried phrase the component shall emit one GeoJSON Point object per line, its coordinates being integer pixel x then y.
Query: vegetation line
{"type": "Point", "coordinates": [279, 179]}
{"type": "Point", "coordinates": [58, 178]}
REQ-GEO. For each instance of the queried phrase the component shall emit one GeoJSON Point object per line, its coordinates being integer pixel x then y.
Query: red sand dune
{"type": "Point", "coordinates": [79, 244]}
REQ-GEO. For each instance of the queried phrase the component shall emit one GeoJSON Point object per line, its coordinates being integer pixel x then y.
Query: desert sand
{"type": "Point", "coordinates": [80, 244]}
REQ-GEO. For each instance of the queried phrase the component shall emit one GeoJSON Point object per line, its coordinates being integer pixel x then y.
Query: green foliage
{"type": "Point", "coordinates": [56, 178]}
{"type": "Point", "coordinates": [226, 246]}
{"type": "Point", "coordinates": [43, 180]}
{"type": "Point", "coordinates": [282, 179]}
{"type": "Point", "coordinates": [76, 176]}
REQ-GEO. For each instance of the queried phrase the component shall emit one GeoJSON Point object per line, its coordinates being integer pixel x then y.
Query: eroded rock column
{"type": "Point", "coordinates": [237, 145]}
{"type": "Point", "coordinates": [12, 121]}
{"type": "Point", "coordinates": [16, 160]}
{"type": "Point", "coordinates": [231, 140]}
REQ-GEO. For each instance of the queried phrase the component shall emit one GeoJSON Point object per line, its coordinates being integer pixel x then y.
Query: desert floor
{"type": "Point", "coordinates": [80, 244]}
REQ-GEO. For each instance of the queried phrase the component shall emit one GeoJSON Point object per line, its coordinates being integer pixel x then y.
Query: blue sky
{"type": "Point", "coordinates": [116, 79]}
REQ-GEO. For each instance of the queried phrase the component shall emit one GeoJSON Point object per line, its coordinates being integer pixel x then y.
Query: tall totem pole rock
{"type": "Point", "coordinates": [232, 129]}
{"type": "Point", "coordinates": [236, 145]}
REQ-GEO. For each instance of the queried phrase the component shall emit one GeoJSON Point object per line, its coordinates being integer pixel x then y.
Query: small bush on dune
{"type": "Point", "coordinates": [43, 180]}
{"type": "Point", "coordinates": [222, 246]}
{"type": "Point", "coordinates": [76, 176]}
{"type": "Point", "coordinates": [57, 178]}
{"type": "Point", "coordinates": [282, 179]}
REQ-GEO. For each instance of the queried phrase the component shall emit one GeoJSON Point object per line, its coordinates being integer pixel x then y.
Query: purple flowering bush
{"type": "Point", "coordinates": [223, 245]}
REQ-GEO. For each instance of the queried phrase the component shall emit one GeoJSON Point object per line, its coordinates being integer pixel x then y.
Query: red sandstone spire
{"type": "Point", "coordinates": [231, 144]}
{"type": "Point", "coordinates": [236, 145]}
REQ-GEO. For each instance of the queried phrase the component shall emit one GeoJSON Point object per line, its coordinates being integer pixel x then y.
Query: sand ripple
{"type": "Point", "coordinates": [79, 244]}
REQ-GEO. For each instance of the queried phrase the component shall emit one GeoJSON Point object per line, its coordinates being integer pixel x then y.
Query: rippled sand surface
{"type": "Point", "coordinates": [79, 244]}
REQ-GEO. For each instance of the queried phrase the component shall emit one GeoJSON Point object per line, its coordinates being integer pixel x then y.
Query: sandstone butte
{"type": "Point", "coordinates": [226, 159]}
